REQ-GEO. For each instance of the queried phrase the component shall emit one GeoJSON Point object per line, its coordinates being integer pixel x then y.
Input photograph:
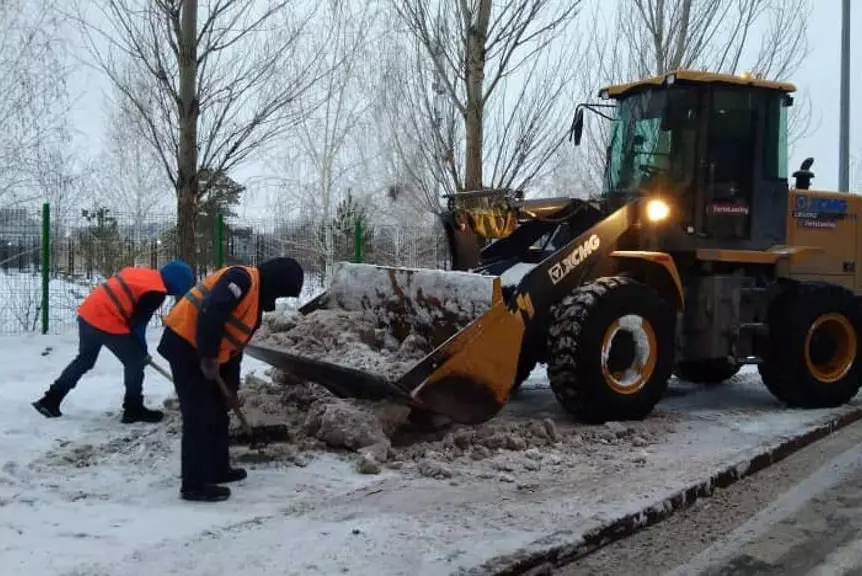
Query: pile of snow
{"type": "Point", "coordinates": [378, 435]}
{"type": "Point", "coordinates": [426, 297]}
{"type": "Point", "coordinates": [381, 320]}
{"type": "Point", "coordinates": [352, 339]}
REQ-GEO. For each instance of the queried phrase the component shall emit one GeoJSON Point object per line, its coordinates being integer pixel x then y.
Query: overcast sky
{"type": "Point", "coordinates": [819, 76]}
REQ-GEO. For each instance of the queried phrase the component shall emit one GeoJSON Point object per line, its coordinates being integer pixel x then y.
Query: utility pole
{"type": "Point", "coordinates": [844, 134]}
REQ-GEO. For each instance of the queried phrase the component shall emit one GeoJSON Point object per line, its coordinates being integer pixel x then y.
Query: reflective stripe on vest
{"type": "Point", "coordinates": [112, 306]}
{"type": "Point", "coordinates": [237, 328]}
{"type": "Point", "coordinates": [126, 314]}
{"type": "Point", "coordinates": [232, 320]}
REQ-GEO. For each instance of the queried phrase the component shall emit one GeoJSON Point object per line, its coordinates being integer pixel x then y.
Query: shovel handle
{"type": "Point", "coordinates": [160, 370]}
{"type": "Point", "coordinates": [228, 395]}
{"type": "Point", "coordinates": [232, 402]}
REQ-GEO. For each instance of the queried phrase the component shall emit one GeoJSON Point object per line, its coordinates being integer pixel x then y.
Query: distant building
{"type": "Point", "coordinates": [19, 226]}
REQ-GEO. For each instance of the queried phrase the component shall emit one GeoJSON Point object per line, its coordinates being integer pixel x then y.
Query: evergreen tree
{"type": "Point", "coordinates": [100, 241]}
{"type": "Point", "coordinates": [223, 196]}
{"type": "Point", "coordinates": [349, 213]}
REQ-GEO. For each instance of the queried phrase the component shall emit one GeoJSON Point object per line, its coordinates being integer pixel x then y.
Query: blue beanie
{"type": "Point", "coordinates": [178, 277]}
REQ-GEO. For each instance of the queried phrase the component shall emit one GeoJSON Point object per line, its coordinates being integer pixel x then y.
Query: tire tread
{"type": "Point", "coordinates": [572, 382]}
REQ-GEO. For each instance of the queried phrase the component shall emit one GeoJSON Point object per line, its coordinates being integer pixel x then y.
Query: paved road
{"type": "Point", "coordinates": [801, 517]}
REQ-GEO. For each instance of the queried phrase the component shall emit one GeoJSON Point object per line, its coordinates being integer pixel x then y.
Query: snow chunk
{"type": "Point", "coordinates": [340, 425]}
{"type": "Point", "coordinates": [431, 293]}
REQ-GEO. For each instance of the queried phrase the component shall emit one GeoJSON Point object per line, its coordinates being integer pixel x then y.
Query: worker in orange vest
{"type": "Point", "coordinates": [115, 315]}
{"type": "Point", "coordinates": [204, 338]}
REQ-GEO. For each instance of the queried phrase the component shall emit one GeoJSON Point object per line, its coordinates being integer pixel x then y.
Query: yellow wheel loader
{"type": "Point", "coordinates": [697, 257]}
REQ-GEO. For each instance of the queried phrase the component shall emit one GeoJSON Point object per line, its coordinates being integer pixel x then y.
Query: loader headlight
{"type": "Point", "coordinates": [657, 210]}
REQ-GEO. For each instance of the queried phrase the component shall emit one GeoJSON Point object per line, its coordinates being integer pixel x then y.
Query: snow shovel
{"type": "Point", "coordinates": [255, 437]}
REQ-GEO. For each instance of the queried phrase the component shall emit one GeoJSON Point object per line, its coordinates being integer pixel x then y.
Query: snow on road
{"type": "Point", "coordinates": [84, 494]}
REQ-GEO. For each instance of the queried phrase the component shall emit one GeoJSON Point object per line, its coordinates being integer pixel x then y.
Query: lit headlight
{"type": "Point", "coordinates": [657, 210]}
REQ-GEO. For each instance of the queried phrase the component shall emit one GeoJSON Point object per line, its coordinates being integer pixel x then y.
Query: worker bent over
{"type": "Point", "coordinates": [204, 338]}
{"type": "Point", "coordinates": [115, 315]}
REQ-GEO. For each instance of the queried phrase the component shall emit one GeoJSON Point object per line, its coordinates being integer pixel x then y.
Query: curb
{"type": "Point", "coordinates": [536, 562]}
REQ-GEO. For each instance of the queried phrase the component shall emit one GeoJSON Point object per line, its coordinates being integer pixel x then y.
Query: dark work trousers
{"type": "Point", "coordinates": [204, 447]}
{"type": "Point", "coordinates": [124, 346]}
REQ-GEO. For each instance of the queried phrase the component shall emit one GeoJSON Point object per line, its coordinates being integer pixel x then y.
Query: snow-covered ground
{"type": "Point", "coordinates": [84, 494]}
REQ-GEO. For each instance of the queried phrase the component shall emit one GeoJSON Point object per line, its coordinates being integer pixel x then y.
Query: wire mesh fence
{"type": "Point", "coordinates": [256, 241]}
{"type": "Point", "coordinates": [87, 247]}
{"type": "Point", "coordinates": [20, 269]}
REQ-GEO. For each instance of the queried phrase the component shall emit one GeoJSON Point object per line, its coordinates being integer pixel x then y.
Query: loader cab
{"type": "Point", "coordinates": [713, 146]}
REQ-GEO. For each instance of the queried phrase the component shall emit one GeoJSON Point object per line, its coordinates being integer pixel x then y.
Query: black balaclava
{"type": "Point", "coordinates": [279, 278]}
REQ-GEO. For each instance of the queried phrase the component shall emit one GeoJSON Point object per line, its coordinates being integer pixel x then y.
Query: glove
{"type": "Point", "coordinates": [210, 368]}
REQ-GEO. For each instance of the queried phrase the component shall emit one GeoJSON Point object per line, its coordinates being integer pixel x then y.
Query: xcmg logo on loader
{"type": "Point", "coordinates": [561, 269]}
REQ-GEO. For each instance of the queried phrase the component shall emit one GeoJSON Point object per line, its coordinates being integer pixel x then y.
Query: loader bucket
{"type": "Point", "coordinates": [455, 314]}
{"type": "Point", "coordinates": [469, 377]}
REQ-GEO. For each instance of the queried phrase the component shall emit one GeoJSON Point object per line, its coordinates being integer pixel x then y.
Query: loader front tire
{"type": "Point", "coordinates": [813, 356]}
{"type": "Point", "coordinates": [610, 350]}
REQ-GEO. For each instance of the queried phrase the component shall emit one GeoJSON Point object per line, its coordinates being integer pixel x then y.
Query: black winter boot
{"type": "Point", "coordinates": [138, 413]}
{"type": "Point", "coordinates": [205, 493]}
{"type": "Point", "coordinates": [49, 404]}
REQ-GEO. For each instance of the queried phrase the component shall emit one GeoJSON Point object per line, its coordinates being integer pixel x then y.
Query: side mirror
{"type": "Point", "coordinates": [578, 126]}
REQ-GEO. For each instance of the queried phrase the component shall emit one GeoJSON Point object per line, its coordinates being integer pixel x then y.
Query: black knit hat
{"type": "Point", "coordinates": [279, 278]}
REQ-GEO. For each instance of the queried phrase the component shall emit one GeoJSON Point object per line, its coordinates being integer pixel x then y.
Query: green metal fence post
{"type": "Point", "coordinates": [357, 240]}
{"type": "Point", "coordinates": [46, 263]}
{"type": "Point", "coordinates": [219, 241]}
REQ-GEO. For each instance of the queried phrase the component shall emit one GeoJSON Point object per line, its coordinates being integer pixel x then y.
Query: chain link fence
{"type": "Point", "coordinates": [41, 289]}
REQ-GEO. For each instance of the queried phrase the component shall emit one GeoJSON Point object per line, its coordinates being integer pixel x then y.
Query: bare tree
{"type": "Point", "coordinates": [219, 86]}
{"type": "Point", "coordinates": [484, 77]}
{"type": "Point", "coordinates": [326, 134]}
{"type": "Point", "coordinates": [660, 35]}
{"type": "Point", "coordinates": [764, 37]}
{"type": "Point", "coordinates": [129, 176]}
{"type": "Point", "coordinates": [62, 180]}
{"type": "Point", "coordinates": [33, 95]}
{"type": "Point", "coordinates": [651, 37]}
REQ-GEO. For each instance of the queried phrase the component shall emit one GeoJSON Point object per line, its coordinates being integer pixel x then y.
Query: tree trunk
{"type": "Point", "coordinates": [475, 81]}
{"type": "Point", "coordinates": [473, 168]}
{"type": "Point", "coordinates": [187, 213]}
{"type": "Point", "coordinates": [188, 189]}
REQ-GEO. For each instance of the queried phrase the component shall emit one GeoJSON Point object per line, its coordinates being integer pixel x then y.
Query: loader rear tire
{"type": "Point", "coordinates": [712, 371]}
{"type": "Point", "coordinates": [611, 350]}
{"type": "Point", "coordinates": [813, 356]}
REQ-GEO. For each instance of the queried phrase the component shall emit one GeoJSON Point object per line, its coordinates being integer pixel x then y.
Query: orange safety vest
{"type": "Point", "coordinates": [111, 306]}
{"type": "Point", "coordinates": [239, 328]}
